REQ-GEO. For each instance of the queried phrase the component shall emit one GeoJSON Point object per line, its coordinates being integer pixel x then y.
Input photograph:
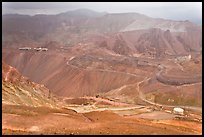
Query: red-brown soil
{"type": "Point", "coordinates": [102, 74]}
{"type": "Point", "coordinates": [63, 121]}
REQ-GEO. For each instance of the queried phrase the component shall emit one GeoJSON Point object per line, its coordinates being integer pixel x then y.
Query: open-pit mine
{"type": "Point", "coordinates": [86, 72]}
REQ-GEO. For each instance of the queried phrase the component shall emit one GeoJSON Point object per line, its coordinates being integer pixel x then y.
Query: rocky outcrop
{"type": "Point", "coordinates": [18, 90]}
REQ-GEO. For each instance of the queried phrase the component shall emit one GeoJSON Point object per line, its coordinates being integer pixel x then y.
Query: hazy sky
{"type": "Point", "coordinates": [170, 10]}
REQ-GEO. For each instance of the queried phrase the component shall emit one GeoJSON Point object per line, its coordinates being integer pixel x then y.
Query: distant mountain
{"type": "Point", "coordinates": [82, 13]}
{"type": "Point", "coordinates": [140, 33]}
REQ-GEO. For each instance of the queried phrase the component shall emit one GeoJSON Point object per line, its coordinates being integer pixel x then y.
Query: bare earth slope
{"type": "Point", "coordinates": [100, 73]}
{"type": "Point", "coordinates": [71, 28]}
{"type": "Point", "coordinates": [17, 90]}
{"type": "Point", "coordinates": [27, 110]}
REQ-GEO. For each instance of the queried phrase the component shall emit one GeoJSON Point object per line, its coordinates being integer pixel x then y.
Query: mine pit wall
{"type": "Point", "coordinates": [178, 80]}
{"type": "Point", "coordinates": [64, 80]}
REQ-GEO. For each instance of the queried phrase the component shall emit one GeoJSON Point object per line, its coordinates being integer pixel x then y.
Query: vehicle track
{"type": "Point", "coordinates": [141, 95]}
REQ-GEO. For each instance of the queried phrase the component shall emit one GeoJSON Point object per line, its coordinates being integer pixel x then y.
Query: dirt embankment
{"type": "Point", "coordinates": [177, 81]}
{"type": "Point", "coordinates": [52, 71]}
{"type": "Point", "coordinates": [40, 121]}
{"type": "Point", "coordinates": [188, 73]}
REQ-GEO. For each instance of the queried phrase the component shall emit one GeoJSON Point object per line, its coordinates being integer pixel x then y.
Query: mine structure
{"type": "Point", "coordinates": [25, 48]}
{"type": "Point", "coordinates": [41, 49]}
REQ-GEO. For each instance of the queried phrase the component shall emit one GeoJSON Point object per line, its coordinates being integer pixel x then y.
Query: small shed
{"type": "Point", "coordinates": [178, 111]}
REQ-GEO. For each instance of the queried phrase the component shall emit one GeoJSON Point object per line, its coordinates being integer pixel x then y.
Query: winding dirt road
{"type": "Point", "coordinates": [141, 95]}
{"type": "Point", "coordinates": [104, 70]}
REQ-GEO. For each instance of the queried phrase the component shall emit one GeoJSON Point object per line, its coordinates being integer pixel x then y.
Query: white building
{"type": "Point", "coordinates": [178, 111]}
{"type": "Point", "coordinates": [25, 48]}
{"type": "Point", "coordinates": [41, 49]}
{"type": "Point", "coordinates": [183, 58]}
{"type": "Point", "coordinates": [44, 49]}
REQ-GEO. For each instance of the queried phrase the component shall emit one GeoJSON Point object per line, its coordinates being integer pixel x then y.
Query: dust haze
{"type": "Point", "coordinates": [169, 10]}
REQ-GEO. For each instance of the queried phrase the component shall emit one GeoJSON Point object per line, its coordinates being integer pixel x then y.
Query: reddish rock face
{"type": "Point", "coordinates": [80, 46]}
{"type": "Point", "coordinates": [19, 90]}
{"type": "Point", "coordinates": [71, 28]}
{"type": "Point", "coordinates": [125, 63]}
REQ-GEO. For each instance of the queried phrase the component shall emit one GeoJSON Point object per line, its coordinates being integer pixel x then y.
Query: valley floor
{"type": "Point", "coordinates": [112, 120]}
